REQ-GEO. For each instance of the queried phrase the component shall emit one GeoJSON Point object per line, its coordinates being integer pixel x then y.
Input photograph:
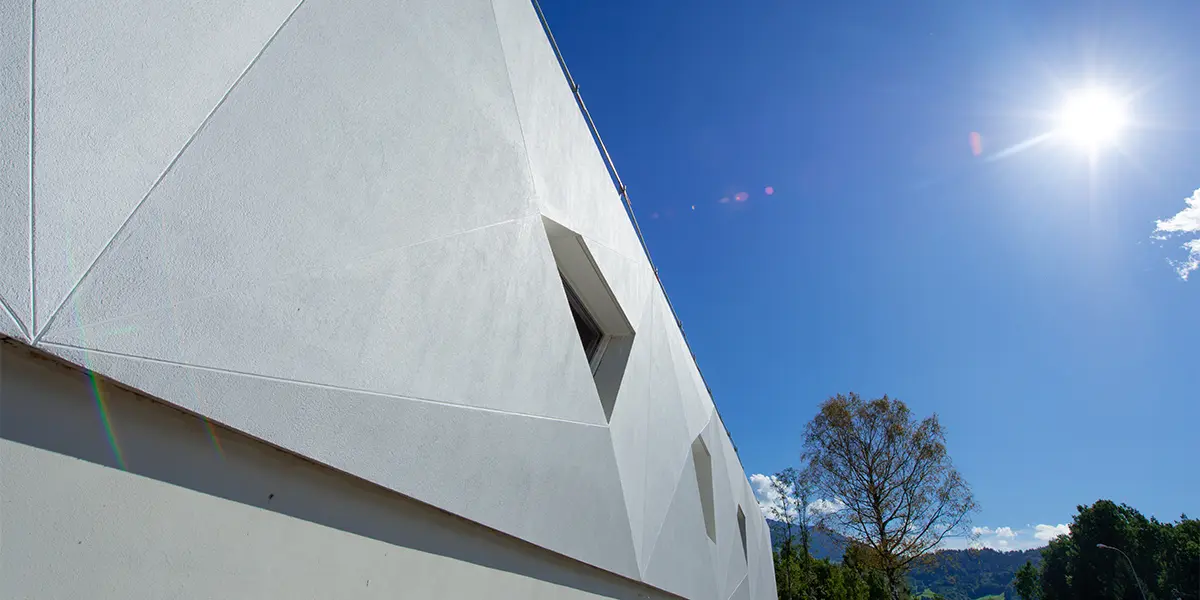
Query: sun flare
{"type": "Point", "coordinates": [1093, 117]}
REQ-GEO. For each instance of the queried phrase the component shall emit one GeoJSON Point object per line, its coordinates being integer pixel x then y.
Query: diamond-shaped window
{"type": "Point", "coordinates": [742, 530]}
{"type": "Point", "coordinates": [604, 331]}
{"type": "Point", "coordinates": [703, 461]}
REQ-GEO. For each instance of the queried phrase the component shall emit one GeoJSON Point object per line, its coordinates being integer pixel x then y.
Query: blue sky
{"type": "Point", "coordinates": [1025, 299]}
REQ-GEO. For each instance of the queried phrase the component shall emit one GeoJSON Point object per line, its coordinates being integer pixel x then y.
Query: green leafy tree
{"type": "Point", "coordinates": [1163, 557]}
{"type": "Point", "coordinates": [793, 494]}
{"type": "Point", "coordinates": [901, 493]}
{"type": "Point", "coordinates": [1028, 582]}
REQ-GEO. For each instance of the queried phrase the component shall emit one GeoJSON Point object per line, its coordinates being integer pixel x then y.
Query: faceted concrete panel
{"type": "Point", "coordinates": [16, 29]}
{"type": "Point", "coordinates": [9, 326]}
{"type": "Point", "coordinates": [762, 575]}
{"type": "Point", "coordinates": [738, 484]}
{"type": "Point", "coordinates": [121, 85]}
{"type": "Point", "coordinates": [315, 159]}
{"type": "Point", "coordinates": [668, 442]}
{"type": "Point", "coordinates": [694, 398]}
{"type": "Point", "coordinates": [630, 280]}
{"type": "Point", "coordinates": [682, 561]}
{"type": "Point", "coordinates": [471, 462]}
{"type": "Point", "coordinates": [189, 510]}
{"type": "Point", "coordinates": [742, 592]}
{"type": "Point", "coordinates": [573, 185]}
{"type": "Point", "coordinates": [348, 261]}
{"type": "Point", "coordinates": [697, 407]}
{"type": "Point", "coordinates": [630, 429]}
{"type": "Point", "coordinates": [731, 561]}
{"type": "Point", "coordinates": [504, 340]}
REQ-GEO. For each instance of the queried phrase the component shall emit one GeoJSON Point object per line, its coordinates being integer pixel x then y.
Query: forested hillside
{"type": "Point", "coordinates": [955, 574]}
{"type": "Point", "coordinates": [970, 574]}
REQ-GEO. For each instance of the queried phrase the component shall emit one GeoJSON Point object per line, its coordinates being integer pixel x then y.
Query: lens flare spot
{"type": "Point", "coordinates": [976, 143]}
{"type": "Point", "coordinates": [741, 196]}
{"type": "Point", "coordinates": [770, 191]}
{"type": "Point", "coordinates": [724, 200]}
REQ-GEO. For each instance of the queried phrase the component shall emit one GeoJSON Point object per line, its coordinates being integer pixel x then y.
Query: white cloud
{"type": "Point", "coordinates": [770, 502]}
{"type": "Point", "coordinates": [825, 507]}
{"type": "Point", "coordinates": [1192, 262]}
{"type": "Point", "coordinates": [766, 494]}
{"type": "Point", "coordinates": [1049, 532]}
{"type": "Point", "coordinates": [999, 532]}
{"type": "Point", "coordinates": [1186, 221]}
{"type": "Point", "coordinates": [1007, 538]}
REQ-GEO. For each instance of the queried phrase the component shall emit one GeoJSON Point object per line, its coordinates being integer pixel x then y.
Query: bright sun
{"type": "Point", "coordinates": [1092, 117]}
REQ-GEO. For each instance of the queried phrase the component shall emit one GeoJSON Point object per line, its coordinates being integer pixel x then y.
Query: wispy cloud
{"type": "Point", "coordinates": [1185, 223]}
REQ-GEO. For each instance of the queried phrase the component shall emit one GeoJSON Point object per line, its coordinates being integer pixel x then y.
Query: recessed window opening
{"type": "Point", "coordinates": [704, 481]}
{"type": "Point", "coordinates": [590, 335]}
{"type": "Point", "coordinates": [604, 331]}
{"type": "Point", "coordinates": [742, 530]}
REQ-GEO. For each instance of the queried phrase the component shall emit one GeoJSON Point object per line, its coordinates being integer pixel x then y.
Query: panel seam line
{"type": "Point", "coordinates": [323, 386]}
{"type": "Point", "coordinates": [32, 329]}
{"type": "Point", "coordinates": [740, 582]}
{"type": "Point", "coordinates": [12, 315]}
{"type": "Point", "coordinates": [166, 171]}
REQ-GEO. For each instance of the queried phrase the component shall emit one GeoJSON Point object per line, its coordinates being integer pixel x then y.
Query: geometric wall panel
{"type": "Point", "coordinates": [506, 341]}
{"type": "Point", "coordinates": [120, 87]}
{"type": "Point", "coordinates": [339, 228]}
{"type": "Point", "coordinates": [742, 592]}
{"type": "Point", "coordinates": [630, 279]}
{"type": "Point", "coordinates": [682, 561]}
{"type": "Point", "coordinates": [630, 429]}
{"type": "Point", "coordinates": [287, 177]}
{"type": "Point", "coordinates": [15, 31]}
{"type": "Point", "coordinates": [732, 548]}
{"type": "Point", "coordinates": [573, 185]}
{"type": "Point", "coordinates": [472, 463]}
{"type": "Point", "coordinates": [668, 445]}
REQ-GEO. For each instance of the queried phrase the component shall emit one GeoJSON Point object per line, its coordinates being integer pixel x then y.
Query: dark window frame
{"type": "Point", "coordinates": [591, 335]}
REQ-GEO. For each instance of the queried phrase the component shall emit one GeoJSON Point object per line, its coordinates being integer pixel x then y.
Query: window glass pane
{"type": "Point", "coordinates": [589, 332]}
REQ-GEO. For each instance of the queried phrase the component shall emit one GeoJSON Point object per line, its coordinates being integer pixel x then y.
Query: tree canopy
{"type": "Point", "coordinates": [1163, 557]}
{"type": "Point", "coordinates": [899, 491]}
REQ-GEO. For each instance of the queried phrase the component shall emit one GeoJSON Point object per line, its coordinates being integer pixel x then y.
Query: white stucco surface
{"type": "Point", "coordinates": [120, 87]}
{"type": "Point", "coordinates": [15, 31]}
{"type": "Point", "coordinates": [169, 507]}
{"type": "Point", "coordinates": [343, 230]}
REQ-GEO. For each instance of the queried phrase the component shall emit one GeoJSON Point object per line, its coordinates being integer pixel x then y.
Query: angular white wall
{"type": "Point", "coordinates": [324, 225]}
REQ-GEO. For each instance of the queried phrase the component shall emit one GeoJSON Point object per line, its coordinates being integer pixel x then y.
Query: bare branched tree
{"type": "Point", "coordinates": [792, 494]}
{"type": "Point", "coordinates": [783, 511]}
{"type": "Point", "coordinates": [900, 491]}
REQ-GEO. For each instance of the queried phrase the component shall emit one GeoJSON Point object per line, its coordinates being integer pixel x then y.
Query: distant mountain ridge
{"type": "Point", "coordinates": [823, 544]}
{"type": "Point", "coordinates": [955, 574]}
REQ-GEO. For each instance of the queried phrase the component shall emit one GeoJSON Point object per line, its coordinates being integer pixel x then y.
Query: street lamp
{"type": "Point", "coordinates": [1135, 575]}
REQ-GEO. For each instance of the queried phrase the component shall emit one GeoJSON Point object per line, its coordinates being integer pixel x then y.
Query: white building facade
{"type": "Point", "coordinates": [324, 299]}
